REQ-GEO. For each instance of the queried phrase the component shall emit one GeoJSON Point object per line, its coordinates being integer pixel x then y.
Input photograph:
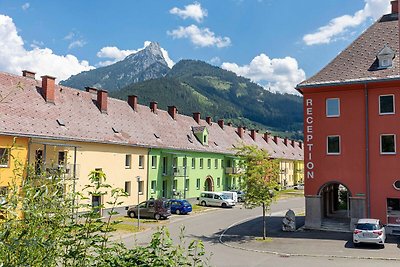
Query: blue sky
{"type": "Point", "coordinates": [273, 42]}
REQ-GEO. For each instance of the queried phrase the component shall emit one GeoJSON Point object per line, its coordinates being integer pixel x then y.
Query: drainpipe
{"type": "Point", "coordinates": [184, 178]}
{"type": "Point", "coordinates": [74, 183]}
{"type": "Point", "coordinates": [367, 151]}
{"type": "Point", "coordinates": [148, 175]}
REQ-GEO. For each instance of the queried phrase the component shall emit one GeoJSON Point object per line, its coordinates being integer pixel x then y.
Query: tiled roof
{"type": "Point", "coordinates": [358, 62]}
{"type": "Point", "coordinates": [75, 117]}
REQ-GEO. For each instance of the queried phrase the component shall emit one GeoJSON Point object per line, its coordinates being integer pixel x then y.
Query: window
{"type": "Point", "coordinates": [333, 107]}
{"type": "Point", "coordinates": [153, 186]}
{"type": "Point", "coordinates": [186, 184]}
{"type": "Point", "coordinates": [218, 182]}
{"type": "Point", "coordinates": [333, 145]}
{"type": "Point", "coordinates": [141, 162]}
{"type": "Point", "coordinates": [128, 161]}
{"type": "Point", "coordinates": [164, 165]}
{"type": "Point", "coordinates": [216, 163]}
{"type": "Point", "coordinates": [141, 186]}
{"type": "Point", "coordinates": [209, 163]}
{"type": "Point", "coordinates": [128, 188]}
{"type": "Point", "coordinates": [201, 163]}
{"type": "Point", "coordinates": [222, 163]}
{"type": "Point", "coordinates": [175, 185]}
{"type": "Point", "coordinates": [3, 194]}
{"type": "Point", "coordinates": [153, 162]}
{"type": "Point", "coordinates": [184, 161]}
{"type": "Point", "coordinates": [4, 157]}
{"type": "Point", "coordinates": [61, 158]}
{"type": "Point", "coordinates": [386, 104]}
{"type": "Point", "coordinates": [198, 183]}
{"type": "Point", "coordinates": [193, 163]}
{"type": "Point", "coordinates": [388, 144]}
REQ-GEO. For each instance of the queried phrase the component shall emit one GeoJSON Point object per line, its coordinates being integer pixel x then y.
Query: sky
{"type": "Point", "coordinates": [275, 43]}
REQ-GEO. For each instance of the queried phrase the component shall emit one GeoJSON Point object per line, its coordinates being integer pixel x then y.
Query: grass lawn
{"type": "Point", "coordinates": [198, 208]}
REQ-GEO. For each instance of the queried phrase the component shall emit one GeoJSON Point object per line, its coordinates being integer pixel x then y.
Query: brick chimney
{"type": "Point", "coordinates": [276, 139]}
{"type": "Point", "coordinates": [153, 106]}
{"type": "Point", "coordinates": [395, 7]}
{"type": "Point", "coordinates": [229, 123]}
{"type": "Point", "coordinates": [266, 137]}
{"type": "Point", "coordinates": [132, 101]}
{"type": "Point", "coordinates": [285, 141]}
{"type": "Point", "coordinates": [253, 134]}
{"type": "Point", "coordinates": [301, 144]}
{"type": "Point", "coordinates": [221, 123]}
{"type": "Point", "coordinates": [208, 120]}
{"type": "Point", "coordinates": [91, 90]}
{"type": "Point", "coordinates": [172, 111]}
{"type": "Point", "coordinates": [102, 96]}
{"type": "Point", "coordinates": [196, 117]}
{"type": "Point", "coordinates": [292, 143]}
{"type": "Point", "coordinates": [28, 74]}
{"type": "Point", "coordinates": [48, 84]}
{"type": "Point", "coordinates": [240, 131]}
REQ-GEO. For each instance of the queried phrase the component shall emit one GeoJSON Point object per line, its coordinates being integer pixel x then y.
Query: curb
{"type": "Point", "coordinates": [281, 254]}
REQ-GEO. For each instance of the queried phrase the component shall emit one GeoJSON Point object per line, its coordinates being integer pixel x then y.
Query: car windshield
{"type": "Point", "coordinates": [185, 202]}
{"type": "Point", "coordinates": [367, 226]}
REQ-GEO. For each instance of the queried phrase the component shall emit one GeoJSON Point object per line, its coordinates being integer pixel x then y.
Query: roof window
{"type": "Point", "coordinates": [385, 57]}
{"type": "Point", "coordinates": [60, 122]}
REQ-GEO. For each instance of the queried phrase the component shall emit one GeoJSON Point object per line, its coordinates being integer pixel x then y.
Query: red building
{"type": "Point", "coordinates": [352, 131]}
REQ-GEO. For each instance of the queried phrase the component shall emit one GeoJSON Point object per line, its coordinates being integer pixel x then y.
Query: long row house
{"type": "Point", "coordinates": [144, 150]}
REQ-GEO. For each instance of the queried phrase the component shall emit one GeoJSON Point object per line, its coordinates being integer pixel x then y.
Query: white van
{"type": "Point", "coordinates": [231, 195]}
{"type": "Point", "coordinates": [217, 199]}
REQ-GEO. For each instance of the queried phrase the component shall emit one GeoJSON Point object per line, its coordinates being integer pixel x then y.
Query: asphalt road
{"type": "Point", "coordinates": [242, 224]}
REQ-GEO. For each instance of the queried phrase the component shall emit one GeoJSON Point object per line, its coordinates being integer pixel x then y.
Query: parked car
{"type": "Point", "coordinates": [217, 199]}
{"type": "Point", "coordinates": [369, 231]}
{"type": "Point", "coordinates": [153, 208]}
{"type": "Point", "coordinates": [231, 194]}
{"type": "Point", "coordinates": [240, 195]}
{"type": "Point", "coordinates": [180, 206]}
{"type": "Point", "coordinates": [299, 187]}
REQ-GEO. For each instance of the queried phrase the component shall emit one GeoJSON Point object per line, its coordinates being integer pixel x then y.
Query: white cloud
{"type": "Point", "coordinates": [215, 61]}
{"type": "Point", "coordinates": [77, 43]}
{"type": "Point", "coordinates": [200, 37]}
{"type": "Point", "coordinates": [25, 6]}
{"type": "Point", "coordinates": [277, 74]}
{"type": "Point", "coordinates": [14, 57]}
{"type": "Point", "coordinates": [193, 11]}
{"type": "Point", "coordinates": [116, 54]}
{"type": "Point", "coordinates": [75, 40]}
{"type": "Point", "coordinates": [337, 26]}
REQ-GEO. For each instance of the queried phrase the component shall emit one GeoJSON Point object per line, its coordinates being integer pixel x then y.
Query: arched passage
{"type": "Point", "coordinates": [335, 198]}
{"type": "Point", "coordinates": [209, 184]}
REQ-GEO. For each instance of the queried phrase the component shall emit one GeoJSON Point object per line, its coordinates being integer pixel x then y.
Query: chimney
{"type": "Point", "coordinates": [48, 84]}
{"type": "Point", "coordinates": [276, 139]}
{"type": "Point", "coordinates": [172, 110]}
{"type": "Point", "coordinates": [196, 117]}
{"type": "Point", "coordinates": [301, 144]}
{"type": "Point", "coordinates": [395, 7]}
{"type": "Point", "coordinates": [292, 143]}
{"type": "Point", "coordinates": [285, 141]}
{"type": "Point", "coordinates": [153, 106]}
{"type": "Point", "coordinates": [240, 131]}
{"type": "Point", "coordinates": [28, 74]}
{"type": "Point", "coordinates": [229, 123]}
{"type": "Point", "coordinates": [253, 134]}
{"type": "Point", "coordinates": [102, 96]}
{"type": "Point", "coordinates": [208, 120]}
{"type": "Point", "coordinates": [266, 137]}
{"type": "Point", "coordinates": [132, 101]}
{"type": "Point", "coordinates": [221, 123]}
{"type": "Point", "coordinates": [91, 90]}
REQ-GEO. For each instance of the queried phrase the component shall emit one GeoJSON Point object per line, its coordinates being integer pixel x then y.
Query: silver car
{"type": "Point", "coordinates": [369, 231]}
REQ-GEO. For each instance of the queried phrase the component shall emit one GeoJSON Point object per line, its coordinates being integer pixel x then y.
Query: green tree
{"type": "Point", "coordinates": [259, 178]}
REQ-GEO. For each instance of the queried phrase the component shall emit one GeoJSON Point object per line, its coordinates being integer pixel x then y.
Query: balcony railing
{"type": "Point", "coordinates": [232, 170]}
{"type": "Point", "coordinates": [176, 171]}
{"type": "Point", "coordinates": [65, 171]}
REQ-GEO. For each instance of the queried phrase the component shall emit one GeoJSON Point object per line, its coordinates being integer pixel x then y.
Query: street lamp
{"type": "Point", "coordinates": [138, 201]}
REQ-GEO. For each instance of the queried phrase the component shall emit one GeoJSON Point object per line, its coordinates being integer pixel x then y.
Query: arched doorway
{"type": "Point", "coordinates": [209, 184]}
{"type": "Point", "coordinates": [335, 209]}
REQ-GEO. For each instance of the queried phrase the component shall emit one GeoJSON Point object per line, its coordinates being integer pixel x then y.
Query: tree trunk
{"type": "Point", "coordinates": [264, 224]}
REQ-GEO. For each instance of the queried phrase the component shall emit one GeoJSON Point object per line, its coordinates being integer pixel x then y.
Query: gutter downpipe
{"type": "Point", "coordinates": [148, 176]}
{"type": "Point", "coordinates": [367, 151]}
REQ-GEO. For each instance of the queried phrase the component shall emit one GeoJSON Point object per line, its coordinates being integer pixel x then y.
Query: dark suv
{"type": "Point", "coordinates": [153, 208]}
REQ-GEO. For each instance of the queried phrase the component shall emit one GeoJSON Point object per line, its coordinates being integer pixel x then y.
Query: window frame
{"type": "Point", "coordinates": [380, 144]}
{"type": "Point", "coordinates": [128, 188]}
{"type": "Point", "coordinates": [153, 186]}
{"type": "Point", "coordinates": [208, 163]}
{"type": "Point", "coordinates": [327, 145]}
{"type": "Point", "coordinates": [141, 187]}
{"type": "Point", "coordinates": [193, 163]}
{"type": "Point", "coordinates": [326, 107]}
{"type": "Point", "coordinates": [201, 163]}
{"type": "Point", "coordinates": [394, 105]}
{"type": "Point", "coordinates": [198, 183]}
{"type": "Point", "coordinates": [129, 166]}
{"type": "Point", "coordinates": [7, 165]}
{"type": "Point", "coordinates": [154, 162]}
{"type": "Point", "coordinates": [141, 162]}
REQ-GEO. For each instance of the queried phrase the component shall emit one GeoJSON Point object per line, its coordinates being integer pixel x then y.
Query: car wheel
{"type": "Point", "coordinates": [157, 216]}
{"type": "Point", "coordinates": [382, 246]}
{"type": "Point", "coordinates": [223, 205]}
{"type": "Point", "coordinates": [132, 214]}
{"type": "Point", "coordinates": [178, 212]}
{"type": "Point", "coordinates": [203, 203]}
{"type": "Point", "coordinates": [356, 245]}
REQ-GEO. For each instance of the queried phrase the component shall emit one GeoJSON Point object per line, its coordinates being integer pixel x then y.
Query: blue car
{"type": "Point", "coordinates": [180, 206]}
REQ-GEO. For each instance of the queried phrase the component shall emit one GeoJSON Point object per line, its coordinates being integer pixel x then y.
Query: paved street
{"type": "Point", "coordinates": [238, 229]}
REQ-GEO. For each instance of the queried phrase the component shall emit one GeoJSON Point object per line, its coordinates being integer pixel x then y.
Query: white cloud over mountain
{"type": "Point", "coordinates": [338, 26]}
{"type": "Point", "coordinates": [201, 37]}
{"type": "Point", "coordinates": [14, 57]}
{"type": "Point", "coordinates": [193, 11]}
{"type": "Point", "coordinates": [277, 75]}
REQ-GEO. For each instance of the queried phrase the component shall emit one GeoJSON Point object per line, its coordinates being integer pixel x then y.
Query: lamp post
{"type": "Point", "coordinates": [138, 200]}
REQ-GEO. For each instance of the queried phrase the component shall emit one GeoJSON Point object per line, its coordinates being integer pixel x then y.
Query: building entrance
{"type": "Point", "coordinates": [209, 184]}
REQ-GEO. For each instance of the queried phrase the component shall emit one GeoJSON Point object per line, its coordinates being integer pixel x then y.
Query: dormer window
{"type": "Point", "coordinates": [201, 134]}
{"type": "Point", "coordinates": [385, 57]}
